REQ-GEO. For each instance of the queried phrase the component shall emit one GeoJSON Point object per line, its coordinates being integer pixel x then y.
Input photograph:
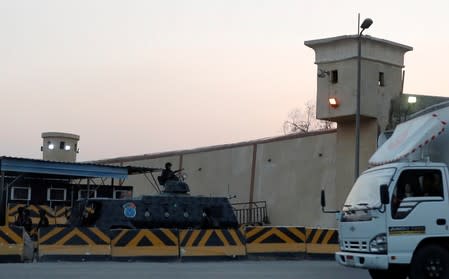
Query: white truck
{"type": "Point", "coordinates": [395, 221]}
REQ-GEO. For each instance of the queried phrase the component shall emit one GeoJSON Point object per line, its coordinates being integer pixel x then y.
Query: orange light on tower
{"type": "Point", "coordinates": [333, 102]}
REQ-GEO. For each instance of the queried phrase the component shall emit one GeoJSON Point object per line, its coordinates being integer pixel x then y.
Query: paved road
{"type": "Point", "coordinates": [182, 270]}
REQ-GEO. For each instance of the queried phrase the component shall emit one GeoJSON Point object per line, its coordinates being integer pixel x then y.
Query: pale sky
{"type": "Point", "coordinates": [136, 77]}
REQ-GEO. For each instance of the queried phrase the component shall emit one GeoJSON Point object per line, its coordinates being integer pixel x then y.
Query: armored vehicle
{"type": "Point", "coordinates": [172, 208]}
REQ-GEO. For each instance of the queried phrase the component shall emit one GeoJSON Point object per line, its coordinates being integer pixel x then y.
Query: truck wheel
{"type": "Point", "coordinates": [430, 261]}
{"type": "Point", "coordinates": [391, 273]}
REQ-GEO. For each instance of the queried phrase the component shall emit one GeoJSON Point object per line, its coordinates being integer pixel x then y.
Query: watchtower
{"type": "Point", "coordinates": [61, 147]}
{"type": "Point", "coordinates": [381, 80]}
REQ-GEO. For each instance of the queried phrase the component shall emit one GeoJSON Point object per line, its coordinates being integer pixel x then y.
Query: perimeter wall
{"type": "Point", "coordinates": [287, 172]}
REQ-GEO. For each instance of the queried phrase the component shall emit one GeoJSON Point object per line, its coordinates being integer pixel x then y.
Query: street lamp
{"type": "Point", "coordinates": [411, 100]}
{"type": "Point", "coordinates": [365, 25]}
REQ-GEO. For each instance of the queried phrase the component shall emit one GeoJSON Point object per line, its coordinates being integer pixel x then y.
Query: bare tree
{"type": "Point", "coordinates": [304, 121]}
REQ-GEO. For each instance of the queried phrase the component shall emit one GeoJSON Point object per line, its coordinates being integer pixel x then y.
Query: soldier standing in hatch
{"type": "Point", "coordinates": [168, 174]}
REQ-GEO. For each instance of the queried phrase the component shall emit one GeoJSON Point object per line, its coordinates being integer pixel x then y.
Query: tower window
{"type": "Point", "coordinates": [61, 145]}
{"type": "Point", "coordinates": [381, 81]}
{"type": "Point", "coordinates": [334, 76]}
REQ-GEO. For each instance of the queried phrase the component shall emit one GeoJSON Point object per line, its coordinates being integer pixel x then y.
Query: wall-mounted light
{"type": "Point", "coordinates": [67, 147]}
{"type": "Point", "coordinates": [322, 73]}
{"type": "Point", "coordinates": [51, 146]}
{"type": "Point", "coordinates": [333, 102]}
{"type": "Point", "coordinates": [411, 100]}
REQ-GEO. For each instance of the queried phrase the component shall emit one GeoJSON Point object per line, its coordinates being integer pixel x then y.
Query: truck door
{"type": "Point", "coordinates": [418, 210]}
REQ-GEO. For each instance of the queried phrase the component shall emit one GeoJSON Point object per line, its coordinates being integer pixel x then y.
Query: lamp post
{"type": "Point", "coordinates": [365, 25]}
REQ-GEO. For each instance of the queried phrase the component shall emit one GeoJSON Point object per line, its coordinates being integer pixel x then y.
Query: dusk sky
{"type": "Point", "coordinates": [137, 77]}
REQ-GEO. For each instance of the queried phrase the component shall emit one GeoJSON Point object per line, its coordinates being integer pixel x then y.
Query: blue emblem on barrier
{"type": "Point", "coordinates": [129, 210]}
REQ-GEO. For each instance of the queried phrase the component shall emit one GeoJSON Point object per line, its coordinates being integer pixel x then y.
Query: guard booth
{"type": "Point", "coordinates": [54, 187]}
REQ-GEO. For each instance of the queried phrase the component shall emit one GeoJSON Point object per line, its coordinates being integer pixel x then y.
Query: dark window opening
{"type": "Point", "coordinates": [56, 194]}
{"type": "Point", "coordinates": [415, 186]}
{"type": "Point", "coordinates": [334, 76]}
{"type": "Point", "coordinates": [381, 81]}
{"type": "Point", "coordinates": [122, 194]}
{"type": "Point", "coordinates": [83, 194]}
{"type": "Point", "coordinates": [21, 193]}
{"type": "Point", "coordinates": [101, 194]}
{"type": "Point", "coordinates": [61, 145]}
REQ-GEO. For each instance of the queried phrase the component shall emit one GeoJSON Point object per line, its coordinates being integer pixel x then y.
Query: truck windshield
{"type": "Point", "coordinates": [365, 192]}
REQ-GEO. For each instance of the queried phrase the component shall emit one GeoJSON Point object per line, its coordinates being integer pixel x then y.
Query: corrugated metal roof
{"type": "Point", "coordinates": [70, 170]}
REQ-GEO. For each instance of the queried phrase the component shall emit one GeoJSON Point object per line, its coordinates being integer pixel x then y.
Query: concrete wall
{"type": "Point", "coordinates": [345, 154]}
{"type": "Point", "coordinates": [225, 172]}
{"type": "Point", "coordinates": [375, 100]}
{"type": "Point", "coordinates": [344, 90]}
{"type": "Point", "coordinates": [288, 172]}
{"type": "Point", "coordinates": [290, 175]}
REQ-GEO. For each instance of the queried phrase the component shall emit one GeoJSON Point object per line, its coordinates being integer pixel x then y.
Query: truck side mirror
{"type": "Point", "coordinates": [323, 199]}
{"type": "Point", "coordinates": [384, 195]}
{"type": "Point", "coordinates": [323, 204]}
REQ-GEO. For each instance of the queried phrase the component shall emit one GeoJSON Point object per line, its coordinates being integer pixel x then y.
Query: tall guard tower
{"type": "Point", "coordinates": [381, 80]}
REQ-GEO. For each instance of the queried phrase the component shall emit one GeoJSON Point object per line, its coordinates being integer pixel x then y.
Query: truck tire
{"type": "Point", "coordinates": [391, 273]}
{"type": "Point", "coordinates": [431, 261]}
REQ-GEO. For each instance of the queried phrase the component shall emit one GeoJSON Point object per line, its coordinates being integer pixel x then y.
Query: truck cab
{"type": "Point", "coordinates": [395, 220]}
{"type": "Point", "coordinates": [383, 237]}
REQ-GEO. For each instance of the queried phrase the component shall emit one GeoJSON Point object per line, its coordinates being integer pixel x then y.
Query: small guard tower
{"type": "Point", "coordinates": [381, 80]}
{"type": "Point", "coordinates": [61, 147]}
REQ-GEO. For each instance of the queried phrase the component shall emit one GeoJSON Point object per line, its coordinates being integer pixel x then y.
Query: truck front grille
{"type": "Point", "coordinates": [355, 245]}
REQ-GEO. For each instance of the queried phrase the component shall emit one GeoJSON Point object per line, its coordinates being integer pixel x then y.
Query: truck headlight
{"type": "Point", "coordinates": [379, 244]}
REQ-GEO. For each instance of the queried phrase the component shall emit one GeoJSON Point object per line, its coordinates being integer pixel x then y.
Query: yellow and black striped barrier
{"type": "Point", "coordinates": [11, 244]}
{"type": "Point", "coordinates": [83, 243]}
{"type": "Point", "coordinates": [56, 216]}
{"type": "Point", "coordinates": [13, 212]}
{"type": "Point", "coordinates": [275, 241]}
{"type": "Point", "coordinates": [321, 242]}
{"type": "Point", "coordinates": [218, 243]}
{"type": "Point", "coordinates": [61, 215]}
{"type": "Point", "coordinates": [73, 243]}
{"type": "Point", "coordinates": [155, 244]}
